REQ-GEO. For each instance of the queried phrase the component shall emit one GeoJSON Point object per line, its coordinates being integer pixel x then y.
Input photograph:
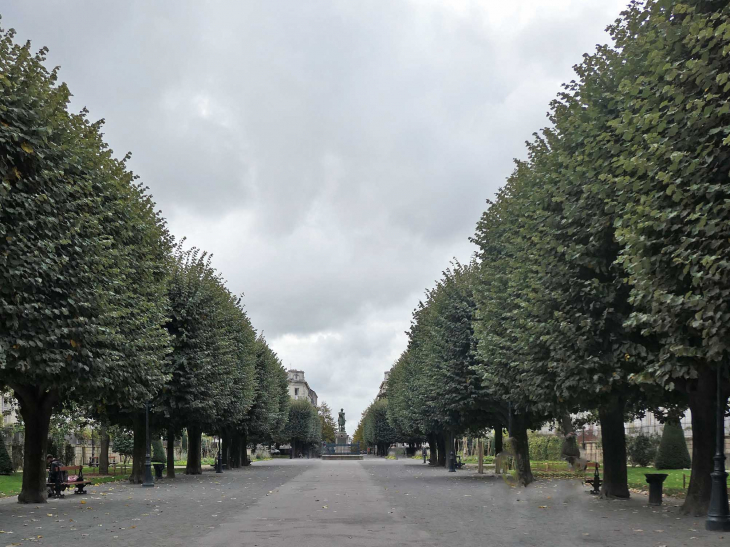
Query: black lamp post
{"type": "Point", "coordinates": [148, 480]}
{"type": "Point", "coordinates": [718, 516]}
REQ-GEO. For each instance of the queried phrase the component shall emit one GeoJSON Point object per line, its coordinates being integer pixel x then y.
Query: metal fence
{"type": "Point", "coordinates": [331, 449]}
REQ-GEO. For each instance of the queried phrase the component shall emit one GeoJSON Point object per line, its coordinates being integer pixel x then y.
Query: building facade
{"type": "Point", "coordinates": [299, 388]}
{"type": "Point", "coordinates": [8, 410]}
{"type": "Point", "coordinates": [383, 385]}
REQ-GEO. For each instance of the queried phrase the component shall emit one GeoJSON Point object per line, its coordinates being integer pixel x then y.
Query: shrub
{"type": "Point", "coordinates": [6, 466]}
{"type": "Point", "coordinates": [69, 455]}
{"type": "Point", "coordinates": [642, 449]}
{"type": "Point", "coordinates": [158, 452]}
{"type": "Point", "coordinates": [672, 453]}
{"type": "Point", "coordinates": [545, 447]}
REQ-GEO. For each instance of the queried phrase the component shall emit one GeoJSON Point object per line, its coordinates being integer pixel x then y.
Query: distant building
{"type": "Point", "coordinates": [299, 388]}
{"type": "Point", "coordinates": [8, 410]}
{"type": "Point", "coordinates": [383, 384]}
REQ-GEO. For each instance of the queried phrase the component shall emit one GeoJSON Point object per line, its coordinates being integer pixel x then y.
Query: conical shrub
{"type": "Point", "coordinates": [672, 453]}
{"type": "Point", "coordinates": [158, 452]}
{"type": "Point", "coordinates": [6, 466]}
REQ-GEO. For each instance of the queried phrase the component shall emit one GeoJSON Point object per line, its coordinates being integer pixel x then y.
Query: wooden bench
{"type": "Point", "coordinates": [594, 479]}
{"type": "Point", "coordinates": [64, 481]}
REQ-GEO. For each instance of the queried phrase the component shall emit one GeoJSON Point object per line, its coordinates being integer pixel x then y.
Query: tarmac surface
{"type": "Point", "coordinates": [379, 502]}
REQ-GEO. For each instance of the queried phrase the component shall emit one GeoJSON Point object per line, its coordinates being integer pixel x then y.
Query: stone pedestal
{"type": "Point", "coordinates": [341, 443]}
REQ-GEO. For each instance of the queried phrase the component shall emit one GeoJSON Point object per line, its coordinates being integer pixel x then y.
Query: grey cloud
{"type": "Point", "coordinates": [333, 156]}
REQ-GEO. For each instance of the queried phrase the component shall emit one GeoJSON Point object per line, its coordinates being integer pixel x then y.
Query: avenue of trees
{"type": "Point", "coordinates": [601, 283]}
{"type": "Point", "coordinates": [99, 308]}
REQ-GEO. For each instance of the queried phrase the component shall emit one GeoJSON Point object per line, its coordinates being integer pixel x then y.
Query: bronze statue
{"type": "Point", "coordinates": [341, 420]}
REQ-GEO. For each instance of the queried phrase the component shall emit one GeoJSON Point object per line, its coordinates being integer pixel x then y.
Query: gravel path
{"type": "Point", "coordinates": [372, 502]}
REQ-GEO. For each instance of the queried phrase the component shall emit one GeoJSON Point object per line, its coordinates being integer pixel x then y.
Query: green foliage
{"type": "Point", "coordinates": [545, 447]}
{"type": "Point", "coordinates": [6, 465]}
{"type": "Point", "coordinates": [79, 241]}
{"type": "Point", "coordinates": [270, 410]}
{"type": "Point", "coordinates": [377, 430]}
{"type": "Point", "coordinates": [123, 442]}
{"type": "Point", "coordinates": [158, 451]}
{"type": "Point", "coordinates": [642, 449]}
{"type": "Point", "coordinates": [672, 452]}
{"type": "Point", "coordinates": [69, 454]}
{"type": "Point", "coordinates": [433, 386]}
{"type": "Point", "coordinates": [211, 369]}
{"type": "Point", "coordinates": [671, 180]}
{"type": "Point", "coordinates": [303, 425]}
{"type": "Point", "coordinates": [329, 426]}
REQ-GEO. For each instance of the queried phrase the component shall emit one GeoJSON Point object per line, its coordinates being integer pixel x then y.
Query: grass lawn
{"type": "Point", "coordinates": [10, 484]}
{"type": "Point", "coordinates": [675, 484]}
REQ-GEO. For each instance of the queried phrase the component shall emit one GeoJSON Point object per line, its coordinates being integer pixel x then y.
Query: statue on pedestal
{"type": "Point", "coordinates": [341, 420]}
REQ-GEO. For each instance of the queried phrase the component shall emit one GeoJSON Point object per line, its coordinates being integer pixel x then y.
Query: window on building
{"type": "Point", "coordinates": [296, 391]}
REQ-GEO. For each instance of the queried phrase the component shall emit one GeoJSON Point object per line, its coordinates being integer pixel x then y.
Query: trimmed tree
{"type": "Point", "coordinates": [68, 239]}
{"type": "Point", "coordinates": [303, 429]}
{"type": "Point", "coordinates": [158, 451]}
{"type": "Point", "coordinates": [672, 452]}
{"type": "Point", "coordinates": [674, 199]}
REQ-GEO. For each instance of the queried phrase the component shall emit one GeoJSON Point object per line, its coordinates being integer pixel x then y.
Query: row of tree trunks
{"type": "Point", "coordinates": [613, 438]}
{"type": "Point", "coordinates": [170, 453]}
{"type": "Point", "coordinates": [195, 465]}
{"type": "Point", "coordinates": [36, 406]}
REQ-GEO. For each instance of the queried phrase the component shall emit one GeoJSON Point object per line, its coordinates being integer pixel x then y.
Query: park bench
{"type": "Point", "coordinates": [594, 479]}
{"type": "Point", "coordinates": [64, 481]}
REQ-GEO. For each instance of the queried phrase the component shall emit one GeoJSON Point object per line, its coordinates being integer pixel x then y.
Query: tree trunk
{"type": "Point", "coordinates": [433, 455]}
{"type": "Point", "coordinates": [498, 446]}
{"type": "Point", "coordinates": [613, 438]}
{"type": "Point", "coordinates": [569, 450]}
{"type": "Point", "coordinates": [139, 449]}
{"type": "Point", "coordinates": [702, 401]}
{"type": "Point", "coordinates": [521, 449]}
{"type": "Point", "coordinates": [225, 441]}
{"type": "Point", "coordinates": [103, 450]}
{"type": "Point", "coordinates": [194, 466]}
{"type": "Point", "coordinates": [170, 453]}
{"type": "Point", "coordinates": [441, 444]}
{"type": "Point", "coordinates": [244, 448]}
{"type": "Point", "coordinates": [36, 406]}
{"type": "Point", "coordinates": [236, 450]}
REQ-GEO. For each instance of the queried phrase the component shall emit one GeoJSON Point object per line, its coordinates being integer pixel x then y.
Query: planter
{"type": "Point", "coordinates": [655, 481]}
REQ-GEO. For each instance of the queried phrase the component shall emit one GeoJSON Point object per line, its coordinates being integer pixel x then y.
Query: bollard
{"type": "Point", "coordinates": [452, 462]}
{"type": "Point", "coordinates": [655, 481]}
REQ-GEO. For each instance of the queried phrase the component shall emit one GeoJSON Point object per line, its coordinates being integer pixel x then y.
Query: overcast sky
{"type": "Point", "coordinates": [333, 156]}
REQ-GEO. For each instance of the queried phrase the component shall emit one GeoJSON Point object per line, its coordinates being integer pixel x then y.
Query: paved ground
{"type": "Point", "coordinates": [372, 502]}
